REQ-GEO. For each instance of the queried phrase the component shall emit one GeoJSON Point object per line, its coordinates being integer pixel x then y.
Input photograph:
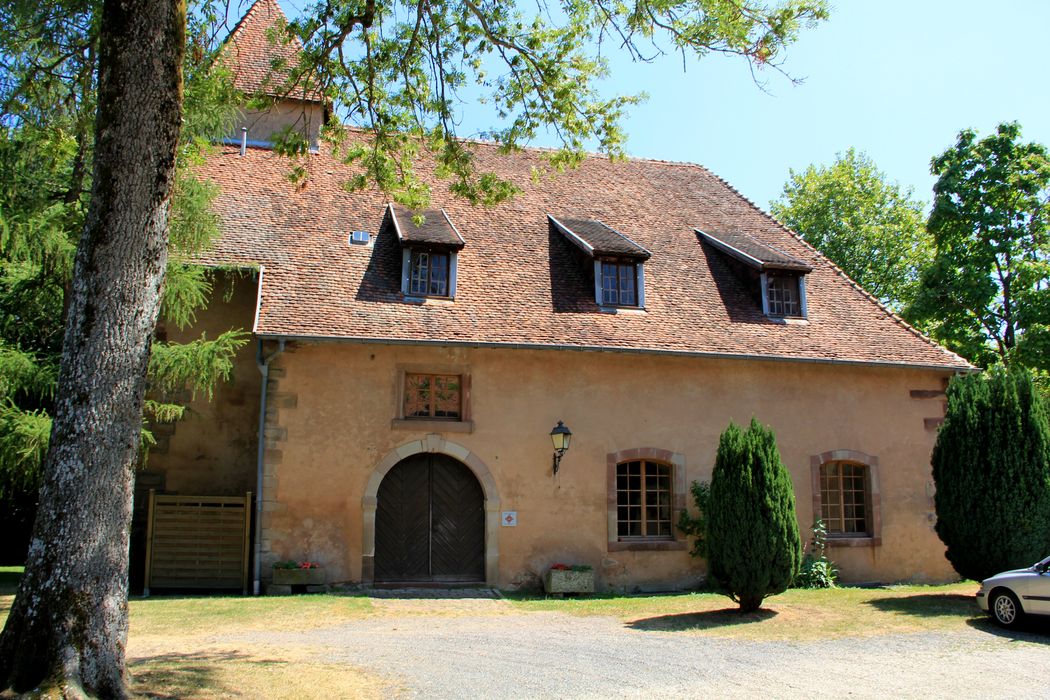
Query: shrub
{"type": "Point", "coordinates": [991, 465]}
{"type": "Point", "coordinates": [817, 570]}
{"type": "Point", "coordinates": [696, 526]}
{"type": "Point", "coordinates": [753, 543]}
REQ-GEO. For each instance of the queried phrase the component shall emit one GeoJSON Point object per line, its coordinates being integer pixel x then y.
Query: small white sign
{"type": "Point", "coordinates": [510, 518]}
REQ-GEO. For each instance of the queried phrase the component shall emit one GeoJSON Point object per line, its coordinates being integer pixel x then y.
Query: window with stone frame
{"type": "Point", "coordinates": [644, 498]}
{"type": "Point", "coordinates": [619, 282]}
{"type": "Point", "coordinates": [845, 499]}
{"type": "Point", "coordinates": [429, 273]}
{"type": "Point", "coordinates": [433, 396]}
{"type": "Point", "coordinates": [782, 294]}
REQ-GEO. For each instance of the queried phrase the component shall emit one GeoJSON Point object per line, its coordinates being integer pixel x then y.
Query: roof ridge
{"type": "Point", "coordinates": [251, 51]}
{"type": "Point", "coordinates": [251, 10]}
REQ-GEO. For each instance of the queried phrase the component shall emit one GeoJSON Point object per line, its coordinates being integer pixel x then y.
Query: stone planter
{"type": "Point", "coordinates": [560, 581]}
{"type": "Point", "coordinates": [298, 577]}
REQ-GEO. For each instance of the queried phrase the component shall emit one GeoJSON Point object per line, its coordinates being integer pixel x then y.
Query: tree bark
{"type": "Point", "coordinates": [68, 627]}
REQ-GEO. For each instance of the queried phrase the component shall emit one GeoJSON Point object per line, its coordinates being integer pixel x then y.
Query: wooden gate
{"type": "Point", "coordinates": [198, 542]}
{"type": "Point", "coordinates": [430, 523]}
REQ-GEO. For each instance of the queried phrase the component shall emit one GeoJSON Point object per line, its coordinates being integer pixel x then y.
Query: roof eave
{"type": "Point", "coordinates": [755, 357]}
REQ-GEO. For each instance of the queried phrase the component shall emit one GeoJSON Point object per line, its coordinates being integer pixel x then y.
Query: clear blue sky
{"type": "Point", "coordinates": [897, 79]}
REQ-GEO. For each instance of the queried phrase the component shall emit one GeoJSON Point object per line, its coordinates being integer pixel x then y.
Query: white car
{"type": "Point", "coordinates": [1011, 595]}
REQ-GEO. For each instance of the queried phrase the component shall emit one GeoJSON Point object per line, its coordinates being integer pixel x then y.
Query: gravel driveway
{"type": "Point", "coordinates": [489, 649]}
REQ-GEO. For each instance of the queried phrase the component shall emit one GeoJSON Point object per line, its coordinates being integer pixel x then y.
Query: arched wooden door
{"type": "Point", "coordinates": [430, 523]}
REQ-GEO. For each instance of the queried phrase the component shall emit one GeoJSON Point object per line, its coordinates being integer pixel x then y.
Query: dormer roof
{"type": "Point", "coordinates": [436, 228]}
{"type": "Point", "coordinates": [752, 252]}
{"type": "Point", "coordinates": [252, 50]}
{"type": "Point", "coordinates": [597, 238]}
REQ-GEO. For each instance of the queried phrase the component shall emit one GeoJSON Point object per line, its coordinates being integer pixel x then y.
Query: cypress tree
{"type": "Point", "coordinates": [991, 465]}
{"type": "Point", "coordinates": [753, 544]}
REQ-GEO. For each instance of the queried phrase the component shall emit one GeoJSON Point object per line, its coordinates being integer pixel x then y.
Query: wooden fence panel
{"type": "Point", "coordinates": [198, 542]}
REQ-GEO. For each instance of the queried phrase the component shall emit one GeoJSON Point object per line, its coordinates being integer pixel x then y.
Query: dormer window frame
{"type": "Point", "coordinates": [774, 264]}
{"type": "Point", "coordinates": [800, 285]}
{"type": "Point", "coordinates": [412, 252]}
{"type": "Point", "coordinates": [627, 254]}
{"type": "Point", "coordinates": [620, 263]}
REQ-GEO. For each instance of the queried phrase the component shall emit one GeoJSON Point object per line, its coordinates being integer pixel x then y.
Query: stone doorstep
{"type": "Point", "coordinates": [280, 589]}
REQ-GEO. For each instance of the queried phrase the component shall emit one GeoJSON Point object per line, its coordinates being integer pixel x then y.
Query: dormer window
{"type": "Point", "coordinates": [430, 245]}
{"type": "Point", "coordinates": [619, 270]}
{"type": "Point", "coordinates": [428, 273]}
{"type": "Point", "coordinates": [619, 282]}
{"type": "Point", "coordinates": [783, 294]}
{"type": "Point", "coordinates": [776, 279]}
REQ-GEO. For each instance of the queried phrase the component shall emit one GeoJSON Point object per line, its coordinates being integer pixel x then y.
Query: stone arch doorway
{"type": "Point", "coordinates": [412, 479]}
{"type": "Point", "coordinates": [430, 523]}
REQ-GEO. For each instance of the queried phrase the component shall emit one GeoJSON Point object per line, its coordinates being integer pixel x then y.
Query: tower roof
{"type": "Point", "coordinates": [253, 48]}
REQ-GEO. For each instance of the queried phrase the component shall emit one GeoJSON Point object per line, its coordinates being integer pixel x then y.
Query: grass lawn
{"type": "Point", "coordinates": [795, 615]}
{"type": "Point", "coordinates": [198, 647]}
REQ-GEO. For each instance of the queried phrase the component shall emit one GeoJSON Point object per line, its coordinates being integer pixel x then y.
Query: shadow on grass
{"type": "Point", "coordinates": [710, 619]}
{"type": "Point", "coordinates": [9, 578]}
{"type": "Point", "coordinates": [928, 605]}
{"type": "Point", "coordinates": [198, 674]}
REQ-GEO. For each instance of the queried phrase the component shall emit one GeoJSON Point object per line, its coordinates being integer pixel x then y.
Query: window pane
{"type": "Point", "coordinates": [420, 272]}
{"type": "Point", "coordinates": [844, 498]}
{"type": "Point", "coordinates": [643, 497]}
{"type": "Point", "coordinates": [627, 285]}
{"type": "Point", "coordinates": [433, 396]}
{"type": "Point", "coordinates": [438, 275]}
{"type": "Point", "coordinates": [446, 396]}
{"type": "Point", "coordinates": [610, 293]}
{"type": "Point", "coordinates": [417, 395]}
{"type": "Point", "coordinates": [783, 295]}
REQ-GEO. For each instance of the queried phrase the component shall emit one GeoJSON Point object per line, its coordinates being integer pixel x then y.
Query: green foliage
{"type": "Point", "coordinates": [986, 294]}
{"type": "Point", "coordinates": [871, 228]}
{"type": "Point", "coordinates": [402, 72]}
{"type": "Point", "coordinates": [991, 465]}
{"type": "Point", "coordinates": [45, 141]}
{"type": "Point", "coordinates": [23, 441]}
{"type": "Point", "coordinates": [817, 570]}
{"type": "Point", "coordinates": [695, 526]}
{"type": "Point", "coordinates": [197, 365]}
{"type": "Point", "coordinates": [753, 544]}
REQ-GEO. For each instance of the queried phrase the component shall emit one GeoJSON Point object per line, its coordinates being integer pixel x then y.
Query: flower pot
{"type": "Point", "coordinates": [298, 577]}
{"type": "Point", "coordinates": [561, 581]}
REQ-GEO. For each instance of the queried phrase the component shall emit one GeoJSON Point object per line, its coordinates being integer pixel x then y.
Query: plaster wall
{"type": "Point", "coordinates": [212, 450]}
{"type": "Point", "coordinates": [335, 427]}
{"type": "Point", "coordinates": [262, 124]}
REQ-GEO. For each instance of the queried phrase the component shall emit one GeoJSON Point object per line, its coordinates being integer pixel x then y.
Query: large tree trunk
{"type": "Point", "coordinates": [68, 627]}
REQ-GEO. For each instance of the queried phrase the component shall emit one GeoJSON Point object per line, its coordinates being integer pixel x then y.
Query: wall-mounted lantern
{"type": "Point", "coordinates": [560, 436]}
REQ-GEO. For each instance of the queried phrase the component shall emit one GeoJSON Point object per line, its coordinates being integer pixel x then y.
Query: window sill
{"type": "Point", "coordinates": [433, 426]}
{"type": "Point", "coordinates": [854, 541]}
{"type": "Point", "coordinates": [647, 546]}
{"type": "Point", "coordinates": [427, 301]}
{"type": "Point", "coordinates": [789, 320]}
{"type": "Point", "coordinates": [625, 310]}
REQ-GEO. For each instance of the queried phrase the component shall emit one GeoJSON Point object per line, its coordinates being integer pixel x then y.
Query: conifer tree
{"type": "Point", "coordinates": [753, 545]}
{"type": "Point", "coordinates": [991, 465]}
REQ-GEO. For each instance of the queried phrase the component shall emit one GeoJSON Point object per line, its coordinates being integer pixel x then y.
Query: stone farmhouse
{"type": "Point", "coordinates": [393, 414]}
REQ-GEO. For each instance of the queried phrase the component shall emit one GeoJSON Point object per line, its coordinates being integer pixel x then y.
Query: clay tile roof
{"type": "Point", "coordinates": [436, 228]}
{"type": "Point", "coordinates": [596, 238]}
{"type": "Point", "coordinates": [250, 53]}
{"type": "Point", "coordinates": [521, 282]}
{"type": "Point", "coordinates": [751, 252]}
